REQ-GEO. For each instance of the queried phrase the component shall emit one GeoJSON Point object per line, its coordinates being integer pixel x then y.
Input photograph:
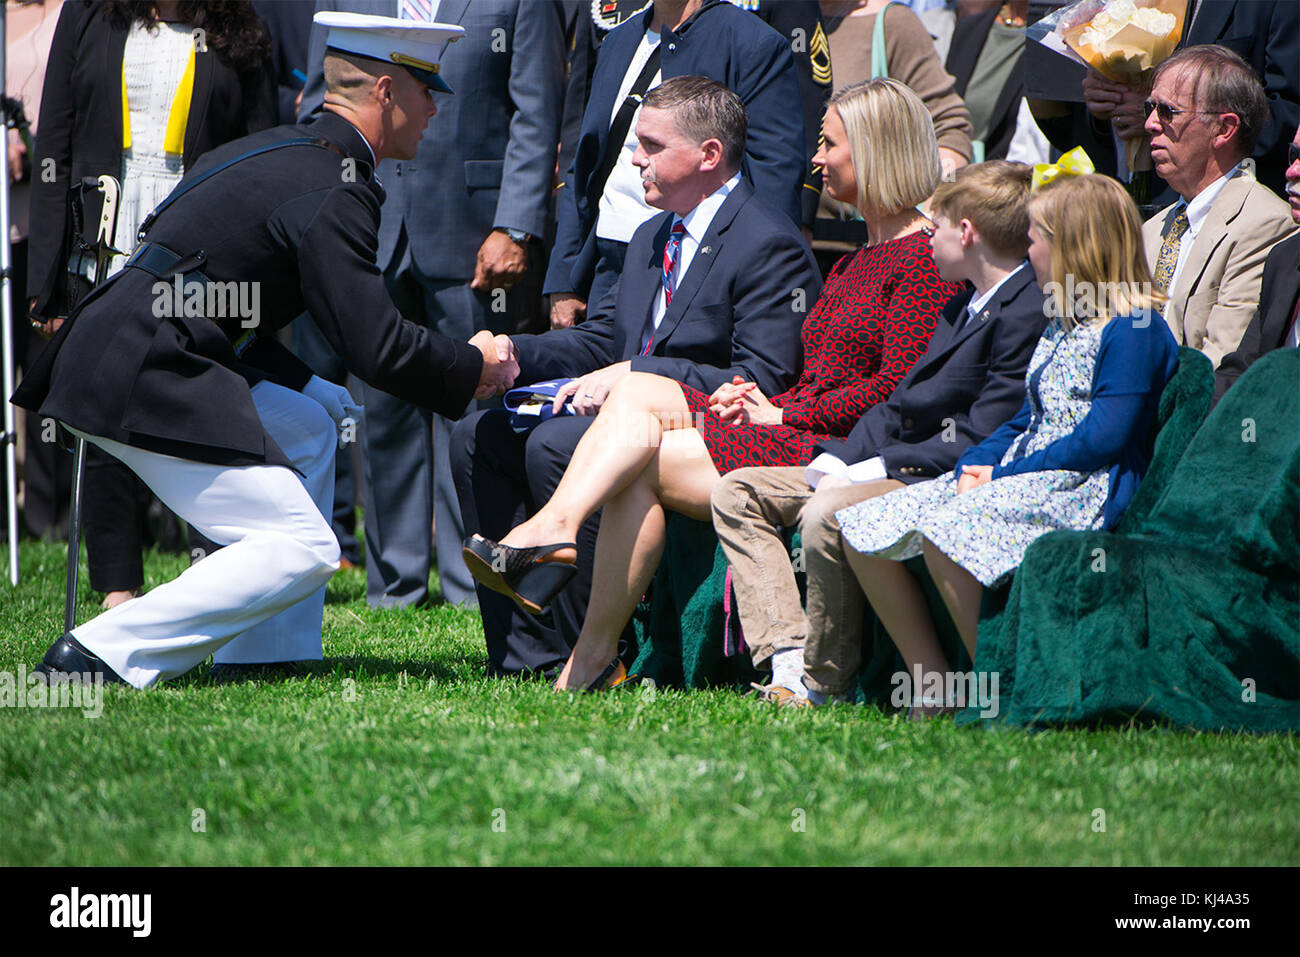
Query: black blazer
{"type": "Point", "coordinates": [81, 123]}
{"type": "Point", "coordinates": [966, 385]}
{"type": "Point", "coordinates": [1272, 321]}
{"type": "Point", "coordinates": [297, 227]}
{"type": "Point", "coordinates": [738, 310]}
{"type": "Point", "coordinates": [290, 24]}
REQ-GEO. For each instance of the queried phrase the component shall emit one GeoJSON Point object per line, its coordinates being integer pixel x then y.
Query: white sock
{"type": "Point", "coordinates": [816, 697]}
{"type": "Point", "coordinates": [787, 670]}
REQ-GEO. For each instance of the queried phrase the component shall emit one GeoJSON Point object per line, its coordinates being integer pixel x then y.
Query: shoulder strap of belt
{"type": "Point", "coordinates": [622, 123]}
{"type": "Point", "coordinates": [189, 184]}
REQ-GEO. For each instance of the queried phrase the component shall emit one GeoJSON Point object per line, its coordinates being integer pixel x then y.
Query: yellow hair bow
{"type": "Point", "coordinates": [1073, 163]}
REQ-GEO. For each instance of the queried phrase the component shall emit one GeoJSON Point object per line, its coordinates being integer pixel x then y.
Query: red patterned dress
{"type": "Point", "coordinates": [873, 321]}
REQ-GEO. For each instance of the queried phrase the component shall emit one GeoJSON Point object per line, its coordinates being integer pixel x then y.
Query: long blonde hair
{"type": "Point", "coordinates": [1099, 263]}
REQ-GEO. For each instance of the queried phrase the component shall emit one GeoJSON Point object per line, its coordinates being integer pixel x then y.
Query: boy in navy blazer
{"type": "Point", "coordinates": [969, 382]}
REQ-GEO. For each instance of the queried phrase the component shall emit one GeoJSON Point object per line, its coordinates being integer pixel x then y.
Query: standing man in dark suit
{"type": "Point", "coordinates": [746, 282]}
{"type": "Point", "coordinates": [969, 382]}
{"type": "Point", "coordinates": [458, 227]}
{"type": "Point", "coordinates": [600, 205]}
{"type": "Point", "coordinates": [173, 367]}
{"type": "Point", "coordinates": [1274, 325]}
{"type": "Point", "coordinates": [799, 21]}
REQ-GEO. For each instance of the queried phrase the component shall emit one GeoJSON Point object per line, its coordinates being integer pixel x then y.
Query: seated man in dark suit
{"type": "Point", "coordinates": [599, 207]}
{"type": "Point", "coordinates": [969, 382]}
{"type": "Point", "coordinates": [717, 286]}
{"type": "Point", "coordinates": [1274, 325]}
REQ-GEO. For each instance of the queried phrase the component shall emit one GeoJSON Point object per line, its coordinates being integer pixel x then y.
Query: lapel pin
{"type": "Point", "coordinates": [706, 250]}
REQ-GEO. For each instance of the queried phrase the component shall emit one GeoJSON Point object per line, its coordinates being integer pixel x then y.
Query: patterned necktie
{"type": "Point", "coordinates": [1168, 260]}
{"type": "Point", "coordinates": [419, 10]}
{"type": "Point", "coordinates": [672, 250]}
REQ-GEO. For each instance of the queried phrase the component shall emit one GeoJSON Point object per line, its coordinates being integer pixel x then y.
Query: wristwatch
{"type": "Point", "coordinates": [518, 235]}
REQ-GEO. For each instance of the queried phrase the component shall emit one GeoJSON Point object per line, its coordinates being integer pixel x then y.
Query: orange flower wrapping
{"type": "Point", "coordinates": [1128, 38]}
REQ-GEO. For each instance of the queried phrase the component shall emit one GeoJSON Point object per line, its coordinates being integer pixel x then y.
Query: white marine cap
{"type": "Point", "coordinates": [410, 43]}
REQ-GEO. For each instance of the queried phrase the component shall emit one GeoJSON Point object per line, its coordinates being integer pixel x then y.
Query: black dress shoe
{"type": "Point", "coordinates": [67, 656]}
{"type": "Point", "coordinates": [259, 671]}
{"type": "Point", "coordinates": [526, 575]}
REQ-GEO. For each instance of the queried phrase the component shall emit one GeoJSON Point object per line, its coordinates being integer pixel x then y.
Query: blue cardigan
{"type": "Point", "coordinates": [1134, 363]}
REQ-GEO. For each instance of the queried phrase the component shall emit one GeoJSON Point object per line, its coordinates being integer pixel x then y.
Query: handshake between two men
{"type": "Point", "coordinates": [501, 369]}
{"type": "Point", "coordinates": [500, 364]}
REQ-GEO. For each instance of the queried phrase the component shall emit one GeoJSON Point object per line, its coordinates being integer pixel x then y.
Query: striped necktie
{"type": "Point", "coordinates": [1168, 261]}
{"type": "Point", "coordinates": [672, 252]}
{"type": "Point", "coordinates": [418, 10]}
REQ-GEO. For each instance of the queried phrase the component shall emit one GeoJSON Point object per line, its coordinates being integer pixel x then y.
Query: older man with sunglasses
{"type": "Point", "coordinates": [1207, 251]}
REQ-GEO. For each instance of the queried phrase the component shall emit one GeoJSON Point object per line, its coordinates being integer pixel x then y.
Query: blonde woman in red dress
{"type": "Point", "coordinates": [657, 444]}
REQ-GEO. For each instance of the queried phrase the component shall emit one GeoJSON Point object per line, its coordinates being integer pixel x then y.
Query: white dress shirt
{"type": "Point", "coordinates": [622, 205]}
{"type": "Point", "coordinates": [980, 303]}
{"type": "Point", "coordinates": [697, 223]}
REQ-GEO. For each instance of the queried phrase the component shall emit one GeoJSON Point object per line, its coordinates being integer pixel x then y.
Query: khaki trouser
{"type": "Point", "coordinates": [750, 508]}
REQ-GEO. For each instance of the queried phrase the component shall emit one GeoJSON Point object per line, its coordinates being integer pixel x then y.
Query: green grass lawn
{"type": "Point", "coordinates": [396, 750]}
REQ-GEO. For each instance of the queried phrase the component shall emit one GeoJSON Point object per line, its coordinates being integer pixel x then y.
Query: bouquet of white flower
{"type": "Point", "coordinates": [1123, 40]}
{"type": "Point", "coordinates": [1120, 39]}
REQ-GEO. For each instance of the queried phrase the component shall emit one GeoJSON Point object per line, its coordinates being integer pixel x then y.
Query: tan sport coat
{"type": "Point", "coordinates": [1217, 291]}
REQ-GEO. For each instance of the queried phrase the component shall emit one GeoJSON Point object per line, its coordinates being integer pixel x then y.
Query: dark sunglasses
{"type": "Point", "coordinates": [1166, 113]}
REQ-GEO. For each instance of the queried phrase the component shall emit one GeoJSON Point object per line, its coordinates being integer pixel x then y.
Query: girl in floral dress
{"type": "Point", "coordinates": [1071, 459]}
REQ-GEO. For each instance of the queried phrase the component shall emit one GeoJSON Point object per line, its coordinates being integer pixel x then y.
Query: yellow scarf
{"type": "Point", "coordinates": [177, 116]}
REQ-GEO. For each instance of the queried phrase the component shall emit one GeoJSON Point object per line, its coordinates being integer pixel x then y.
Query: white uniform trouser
{"type": "Point", "coordinates": [264, 593]}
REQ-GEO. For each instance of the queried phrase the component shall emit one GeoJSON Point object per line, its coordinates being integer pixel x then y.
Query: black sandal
{"type": "Point", "coordinates": [523, 574]}
{"type": "Point", "coordinates": [613, 676]}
